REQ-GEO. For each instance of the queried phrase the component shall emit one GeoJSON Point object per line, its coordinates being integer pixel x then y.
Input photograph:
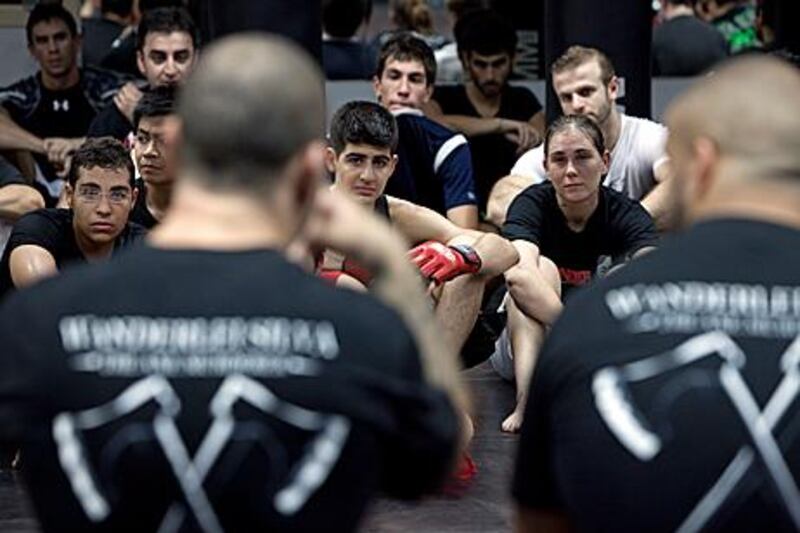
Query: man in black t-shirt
{"type": "Point", "coordinates": [204, 382]}
{"type": "Point", "coordinates": [48, 114]}
{"type": "Point", "coordinates": [100, 195]}
{"type": "Point", "coordinates": [154, 120]}
{"type": "Point", "coordinates": [166, 52]}
{"type": "Point", "coordinates": [501, 121]}
{"type": "Point", "coordinates": [666, 397]}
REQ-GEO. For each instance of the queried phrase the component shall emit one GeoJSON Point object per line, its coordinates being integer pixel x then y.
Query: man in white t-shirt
{"type": "Point", "coordinates": [585, 83]}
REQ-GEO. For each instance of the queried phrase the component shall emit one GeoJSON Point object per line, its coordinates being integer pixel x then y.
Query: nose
{"type": "Point", "coordinates": [368, 174]}
{"type": "Point", "coordinates": [571, 170]}
{"type": "Point", "coordinates": [150, 148]}
{"type": "Point", "coordinates": [578, 105]}
{"type": "Point", "coordinates": [404, 87]}
{"type": "Point", "coordinates": [103, 205]}
{"type": "Point", "coordinates": [52, 46]}
{"type": "Point", "coordinates": [171, 68]}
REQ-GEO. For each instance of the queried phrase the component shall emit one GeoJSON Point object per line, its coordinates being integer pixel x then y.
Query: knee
{"type": "Point", "coordinates": [550, 273]}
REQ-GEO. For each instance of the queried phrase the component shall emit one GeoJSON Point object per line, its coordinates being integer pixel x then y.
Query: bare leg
{"type": "Point", "coordinates": [526, 336]}
{"type": "Point", "coordinates": [458, 308]}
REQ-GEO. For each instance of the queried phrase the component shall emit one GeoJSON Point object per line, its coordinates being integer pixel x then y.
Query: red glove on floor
{"type": "Point", "coordinates": [441, 263]}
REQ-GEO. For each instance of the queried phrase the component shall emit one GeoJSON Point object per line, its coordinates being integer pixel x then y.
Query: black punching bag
{"type": "Point", "coordinates": [527, 17]}
{"type": "Point", "coordinates": [299, 20]}
{"type": "Point", "coordinates": [620, 29]}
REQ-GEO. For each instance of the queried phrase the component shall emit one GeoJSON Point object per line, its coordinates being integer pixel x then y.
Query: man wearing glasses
{"type": "Point", "coordinates": [100, 195]}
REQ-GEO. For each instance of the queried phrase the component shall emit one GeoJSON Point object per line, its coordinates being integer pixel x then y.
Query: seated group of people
{"type": "Point", "coordinates": [203, 325]}
{"type": "Point", "coordinates": [446, 151]}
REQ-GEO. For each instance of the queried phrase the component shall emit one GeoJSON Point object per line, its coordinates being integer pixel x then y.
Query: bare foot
{"type": "Point", "coordinates": [513, 421]}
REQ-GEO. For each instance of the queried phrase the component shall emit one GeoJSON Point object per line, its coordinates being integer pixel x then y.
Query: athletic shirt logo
{"type": "Point", "coordinates": [61, 105]}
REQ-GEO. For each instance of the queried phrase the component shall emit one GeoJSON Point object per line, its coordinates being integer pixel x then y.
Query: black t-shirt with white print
{"type": "Point", "coordinates": [618, 227]}
{"type": "Point", "coordinates": [224, 388]}
{"type": "Point", "coordinates": [666, 395]}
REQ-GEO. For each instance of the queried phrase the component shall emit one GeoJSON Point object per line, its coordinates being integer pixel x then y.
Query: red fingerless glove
{"type": "Point", "coordinates": [441, 263]}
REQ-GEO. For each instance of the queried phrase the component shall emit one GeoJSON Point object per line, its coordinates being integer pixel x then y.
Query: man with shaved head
{"type": "Point", "coordinates": [202, 382]}
{"type": "Point", "coordinates": [666, 397]}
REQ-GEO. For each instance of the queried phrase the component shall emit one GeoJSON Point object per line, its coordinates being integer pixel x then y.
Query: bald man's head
{"type": "Point", "coordinates": [252, 103]}
{"type": "Point", "coordinates": [750, 110]}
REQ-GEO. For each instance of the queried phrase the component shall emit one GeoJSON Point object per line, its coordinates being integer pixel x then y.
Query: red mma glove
{"type": "Point", "coordinates": [441, 263]}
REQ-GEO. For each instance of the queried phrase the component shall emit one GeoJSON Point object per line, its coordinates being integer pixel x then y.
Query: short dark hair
{"type": "Point", "coordinates": [44, 12]}
{"type": "Point", "coordinates": [362, 122]}
{"type": "Point", "coordinates": [405, 47]}
{"type": "Point", "coordinates": [122, 8]}
{"type": "Point", "coordinates": [341, 18]}
{"type": "Point", "coordinates": [579, 122]}
{"type": "Point", "coordinates": [155, 102]}
{"type": "Point", "coordinates": [576, 55]}
{"type": "Point", "coordinates": [104, 152]}
{"type": "Point", "coordinates": [485, 32]}
{"type": "Point", "coordinates": [166, 20]}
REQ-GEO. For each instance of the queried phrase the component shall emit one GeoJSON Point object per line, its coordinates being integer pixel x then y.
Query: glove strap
{"type": "Point", "coordinates": [469, 255]}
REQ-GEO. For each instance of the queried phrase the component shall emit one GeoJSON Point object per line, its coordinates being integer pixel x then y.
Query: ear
{"type": "Point", "coordinates": [613, 89]}
{"type": "Point", "coordinates": [376, 86]}
{"type": "Point", "coordinates": [706, 159]}
{"type": "Point", "coordinates": [309, 178]}
{"type": "Point", "coordinates": [606, 161]}
{"type": "Point", "coordinates": [140, 61]}
{"type": "Point", "coordinates": [428, 94]}
{"type": "Point", "coordinates": [393, 164]}
{"type": "Point", "coordinates": [330, 160]}
{"type": "Point", "coordinates": [69, 194]}
{"type": "Point", "coordinates": [134, 197]}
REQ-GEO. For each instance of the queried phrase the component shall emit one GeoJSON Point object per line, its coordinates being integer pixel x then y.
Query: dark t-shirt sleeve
{"type": "Point", "coordinates": [634, 228]}
{"type": "Point", "coordinates": [525, 217]}
{"type": "Point", "coordinates": [9, 175]}
{"type": "Point", "coordinates": [43, 227]}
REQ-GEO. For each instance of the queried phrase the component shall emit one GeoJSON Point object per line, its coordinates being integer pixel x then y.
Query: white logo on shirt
{"type": "Point", "coordinates": [61, 105]}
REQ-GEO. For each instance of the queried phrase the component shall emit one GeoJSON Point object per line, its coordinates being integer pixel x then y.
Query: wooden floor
{"type": "Point", "coordinates": [485, 507]}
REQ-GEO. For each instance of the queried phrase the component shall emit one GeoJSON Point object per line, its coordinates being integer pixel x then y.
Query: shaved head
{"type": "Point", "coordinates": [252, 103]}
{"type": "Point", "coordinates": [750, 110]}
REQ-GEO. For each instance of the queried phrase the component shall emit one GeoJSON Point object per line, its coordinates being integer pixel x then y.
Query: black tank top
{"type": "Point", "coordinates": [382, 207]}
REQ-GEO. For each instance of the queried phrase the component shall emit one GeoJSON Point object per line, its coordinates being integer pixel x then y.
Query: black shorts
{"type": "Point", "coordinates": [479, 346]}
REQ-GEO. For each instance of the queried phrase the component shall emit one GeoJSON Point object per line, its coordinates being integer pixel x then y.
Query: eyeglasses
{"type": "Point", "coordinates": [92, 195]}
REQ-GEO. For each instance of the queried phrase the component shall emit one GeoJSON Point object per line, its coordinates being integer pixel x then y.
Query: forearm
{"type": "Point", "coordinates": [658, 203]}
{"type": "Point", "coordinates": [13, 137]}
{"type": "Point", "coordinates": [473, 126]}
{"type": "Point", "coordinates": [16, 200]}
{"type": "Point", "coordinates": [496, 253]}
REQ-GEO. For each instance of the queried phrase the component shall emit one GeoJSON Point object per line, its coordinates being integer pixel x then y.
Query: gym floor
{"type": "Point", "coordinates": [484, 507]}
